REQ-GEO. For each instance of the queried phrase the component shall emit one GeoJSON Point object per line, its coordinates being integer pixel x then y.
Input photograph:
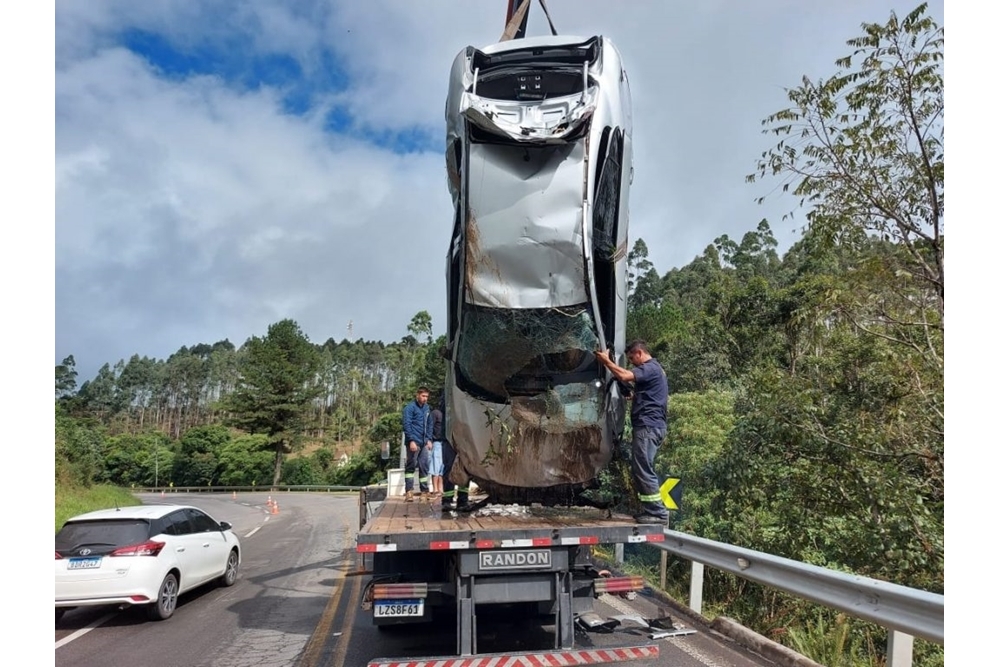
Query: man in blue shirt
{"type": "Point", "coordinates": [649, 424]}
{"type": "Point", "coordinates": [417, 434]}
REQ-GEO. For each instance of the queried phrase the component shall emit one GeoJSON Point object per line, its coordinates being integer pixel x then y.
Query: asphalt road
{"type": "Point", "coordinates": [297, 602]}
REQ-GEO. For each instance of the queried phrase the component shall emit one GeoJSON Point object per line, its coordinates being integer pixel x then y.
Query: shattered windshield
{"type": "Point", "coordinates": [523, 352]}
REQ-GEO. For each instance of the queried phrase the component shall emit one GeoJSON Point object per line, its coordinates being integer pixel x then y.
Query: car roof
{"type": "Point", "coordinates": [130, 512]}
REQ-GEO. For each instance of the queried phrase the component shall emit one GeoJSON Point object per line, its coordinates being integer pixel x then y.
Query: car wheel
{"type": "Point", "coordinates": [166, 600]}
{"type": "Point", "coordinates": [232, 568]}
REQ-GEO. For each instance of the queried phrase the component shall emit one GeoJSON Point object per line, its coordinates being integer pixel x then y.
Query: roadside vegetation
{"type": "Point", "coordinates": [807, 389]}
{"type": "Point", "coordinates": [73, 500]}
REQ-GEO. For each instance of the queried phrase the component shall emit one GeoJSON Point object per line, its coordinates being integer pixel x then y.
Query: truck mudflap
{"type": "Point", "coordinates": [560, 658]}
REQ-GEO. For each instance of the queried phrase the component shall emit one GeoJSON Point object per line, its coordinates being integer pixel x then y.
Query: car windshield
{"type": "Point", "coordinates": [101, 536]}
{"type": "Point", "coordinates": [524, 352]}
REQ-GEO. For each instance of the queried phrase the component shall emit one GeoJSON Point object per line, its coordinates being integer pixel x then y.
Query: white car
{"type": "Point", "coordinates": [142, 555]}
{"type": "Point", "coordinates": [539, 163]}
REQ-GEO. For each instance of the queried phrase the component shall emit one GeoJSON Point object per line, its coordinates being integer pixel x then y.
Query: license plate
{"type": "Point", "coordinates": [84, 563]}
{"type": "Point", "coordinates": [397, 608]}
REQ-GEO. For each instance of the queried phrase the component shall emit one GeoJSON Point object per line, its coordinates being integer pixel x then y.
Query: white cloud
{"type": "Point", "coordinates": [190, 210]}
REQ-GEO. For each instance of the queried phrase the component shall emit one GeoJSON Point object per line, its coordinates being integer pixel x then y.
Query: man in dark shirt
{"type": "Point", "coordinates": [649, 424]}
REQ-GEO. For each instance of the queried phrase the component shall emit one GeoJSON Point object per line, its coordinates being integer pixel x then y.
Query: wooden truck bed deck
{"type": "Point", "coordinates": [400, 526]}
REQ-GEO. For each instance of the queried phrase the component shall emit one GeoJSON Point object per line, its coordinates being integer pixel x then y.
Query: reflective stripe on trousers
{"type": "Point", "coordinates": [645, 442]}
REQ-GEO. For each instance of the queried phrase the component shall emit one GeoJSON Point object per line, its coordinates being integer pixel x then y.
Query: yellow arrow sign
{"type": "Point", "coordinates": [670, 493]}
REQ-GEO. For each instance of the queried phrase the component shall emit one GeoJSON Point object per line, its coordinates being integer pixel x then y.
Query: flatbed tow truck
{"type": "Point", "coordinates": [428, 564]}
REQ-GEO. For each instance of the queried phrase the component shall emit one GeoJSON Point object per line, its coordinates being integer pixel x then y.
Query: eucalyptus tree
{"type": "Point", "coordinates": [66, 377]}
{"type": "Point", "coordinates": [421, 325]}
{"type": "Point", "coordinates": [98, 396]}
{"type": "Point", "coordinates": [137, 385]}
{"type": "Point", "coordinates": [643, 280]}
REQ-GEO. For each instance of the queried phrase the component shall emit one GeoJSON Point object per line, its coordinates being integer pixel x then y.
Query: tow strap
{"type": "Point", "coordinates": [515, 24]}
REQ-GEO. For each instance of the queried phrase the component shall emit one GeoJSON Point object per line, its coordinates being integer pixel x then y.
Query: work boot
{"type": "Point", "coordinates": [409, 497]}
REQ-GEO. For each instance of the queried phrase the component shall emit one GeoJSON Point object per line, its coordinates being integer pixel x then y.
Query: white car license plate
{"type": "Point", "coordinates": [84, 563]}
{"type": "Point", "coordinates": [397, 608]}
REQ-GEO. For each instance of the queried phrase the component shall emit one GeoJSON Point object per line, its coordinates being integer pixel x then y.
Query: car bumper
{"type": "Point", "coordinates": [135, 582]}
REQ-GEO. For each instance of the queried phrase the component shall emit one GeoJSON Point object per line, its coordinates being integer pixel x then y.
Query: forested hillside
{"type": "Point", "coordinates": [807, 388]}
{"type": "Point", "coordinates": [215, 414]}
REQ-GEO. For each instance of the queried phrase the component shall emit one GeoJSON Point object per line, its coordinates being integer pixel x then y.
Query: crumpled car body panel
{"type": "Point", "coordinates": [524, 232]}
{"type": "Point", "coordinates": [539, 161]}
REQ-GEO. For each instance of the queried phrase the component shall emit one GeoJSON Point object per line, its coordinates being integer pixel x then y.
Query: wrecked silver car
{"type": "Point", "coordinates": [539, 161]}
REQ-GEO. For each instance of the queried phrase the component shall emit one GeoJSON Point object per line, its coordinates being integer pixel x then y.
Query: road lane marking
{"type": "Point", "coordinates": [314, 647]}
{"type": "Point", "coordinates": [84, 630]}
{"type": "Point", "coordinates": [350, 616]}
{"type": "Point", "coordinates": [251, 532]}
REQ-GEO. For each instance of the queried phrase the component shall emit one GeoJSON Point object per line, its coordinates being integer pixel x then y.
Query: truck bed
{"type": "Point", "coordinates": [400, 526]}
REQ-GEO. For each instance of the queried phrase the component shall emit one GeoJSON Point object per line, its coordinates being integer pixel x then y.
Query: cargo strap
{"type": "Point", "coordinates": [517, 19]}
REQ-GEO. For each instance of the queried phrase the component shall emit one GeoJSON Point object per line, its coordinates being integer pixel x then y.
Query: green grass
{"type": "Point", "coordinates": [71, 501]}
{"type": "Point", "coordinates": [833, 643]}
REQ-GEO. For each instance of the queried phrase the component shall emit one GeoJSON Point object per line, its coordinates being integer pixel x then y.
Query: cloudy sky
{"type": "Point", "coordinates": [220, 166]}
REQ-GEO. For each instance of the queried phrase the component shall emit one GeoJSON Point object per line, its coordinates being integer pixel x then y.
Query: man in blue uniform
{"type": "Point", "coordinates": [417, 434]}
{"type": "Point", "coordinates": [649, 424]}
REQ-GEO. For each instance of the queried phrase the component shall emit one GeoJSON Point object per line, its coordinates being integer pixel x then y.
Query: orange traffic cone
{"type": "Point", "coordinates": [274, 508]}
{"type": "Point", "coordinates": [163, 493]}
{"type": "Point", "coordinates": [269, 501]}
{"type": "Point", "coordinates": [234, 495]}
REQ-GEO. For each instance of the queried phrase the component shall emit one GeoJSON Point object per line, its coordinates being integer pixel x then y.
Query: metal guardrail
{"type": "Point", "coordinates": [245, 489]}
{"type": "Point", "coordinates": [906, 612]}
{"type": "Point", "coordinates": [909, 610]}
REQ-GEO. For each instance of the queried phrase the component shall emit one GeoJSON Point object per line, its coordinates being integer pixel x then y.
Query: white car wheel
{"type": "Point", "coordinates": [232, 569]}
{"type": "Point", "coordinates": [166, 600]}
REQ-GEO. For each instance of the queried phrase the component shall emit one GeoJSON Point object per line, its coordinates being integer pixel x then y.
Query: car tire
{"type": "Point", "coordinates": [228, 577]}
{"type": "Point", "coordinates": [166, 599]}
{"type": "Point", "coordinates": [59, 614]}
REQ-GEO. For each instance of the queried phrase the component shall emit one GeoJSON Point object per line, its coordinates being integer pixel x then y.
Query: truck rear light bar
{"type": "Point", "coordinates": [468, 540]}
{"type": "Point", "coordinates": [618, 585]}
{"type": "Point", "coordinates": [590, 656]}
{"type": "Point", "coordinates": [399, 591]}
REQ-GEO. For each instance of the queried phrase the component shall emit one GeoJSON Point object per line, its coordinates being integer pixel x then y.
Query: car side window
{"type": "Point", "coordinates": [177, 523]}
{"type": "Point", "coordinates": [202, 522]}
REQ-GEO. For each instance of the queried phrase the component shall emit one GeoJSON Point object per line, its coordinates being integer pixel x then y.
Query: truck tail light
{"type": "Point", "coordinates": [398, 591]}
{"type": "Point", "coordinates": [618, 585]}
